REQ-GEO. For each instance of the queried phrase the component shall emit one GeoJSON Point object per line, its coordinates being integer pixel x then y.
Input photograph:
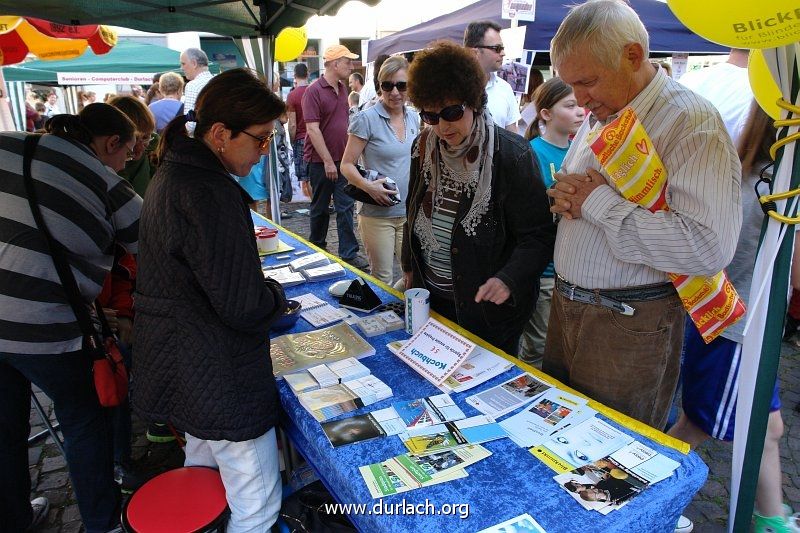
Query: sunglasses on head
{"type": "Point", "coordinates": [388, 86]}
{"type": "Point", "coordinates": [450, 113]}
{"type": "Point", "coordinates": [497, 48]}
{"type": "Point", "coordinates": [263, 142]}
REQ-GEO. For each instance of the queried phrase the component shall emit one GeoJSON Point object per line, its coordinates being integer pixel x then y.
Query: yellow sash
{"type": "Point", "coordinates": [627, 154]}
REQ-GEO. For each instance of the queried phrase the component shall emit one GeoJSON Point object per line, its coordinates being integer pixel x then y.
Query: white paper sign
{"type": "Point", "coordinates": [104, 78]}
{"type": "Point", "coordinates": [435, 351]}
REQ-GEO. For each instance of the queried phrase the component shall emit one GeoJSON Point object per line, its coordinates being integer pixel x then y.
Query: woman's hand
{"type": "Point", "coordinates": [378, 192]}
{"type": "Point", "coordinates": [494, 291]}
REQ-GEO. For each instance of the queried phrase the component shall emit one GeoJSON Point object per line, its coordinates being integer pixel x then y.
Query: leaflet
{"type": "Point", "coordinates": [426, 467]}
{"type": "Point", "coordinates": [522, 523]}
{"type": "Point", "coordinates": [508, 396]}
{"type": "Point", "coordinates": [609, 483]}
{"type": "Point", "coordinates": [475, 430]}
{"type": "Point", "coordinates": [581, 444]}
{"type": "Point", "coordinates": [428, 411]}
{"type": "Point", "coordinates": [318, 312]}
{"type": "Point", "coordinates": [549, 413]}
{"type": "Point", "coordinates": [389, 477]}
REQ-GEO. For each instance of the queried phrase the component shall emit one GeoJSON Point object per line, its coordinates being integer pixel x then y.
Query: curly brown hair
{"type": "Point", "coordinates": [443, 73]}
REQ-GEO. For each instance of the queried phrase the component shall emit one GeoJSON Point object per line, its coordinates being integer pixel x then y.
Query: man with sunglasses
{"type": "Point", "coordinates": [325, 111]}
{"type": "Point", "coordinates": [484, 39]}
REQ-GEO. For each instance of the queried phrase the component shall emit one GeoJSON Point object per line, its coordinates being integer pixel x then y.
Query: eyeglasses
{"type": "Point", "coordinates": [146, 140]}
{"type": "Point", "coordinates": [263, 142]}
{"type": "Point", "coordinates": [131, 153]}
{"type": "Point", "coordinates": [496, 48]}
{"type": "Point", "coordinates": [388, 86]}
{"type": "Point", "coordinates": [450, 113]}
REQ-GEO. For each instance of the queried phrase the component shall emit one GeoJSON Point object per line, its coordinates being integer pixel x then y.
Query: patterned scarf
{"type": "Point", "coordinates": [465, 169]}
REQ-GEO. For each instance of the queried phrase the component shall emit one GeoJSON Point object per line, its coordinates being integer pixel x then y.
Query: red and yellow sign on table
{"type": "Point", "coordinates": [627, 154]}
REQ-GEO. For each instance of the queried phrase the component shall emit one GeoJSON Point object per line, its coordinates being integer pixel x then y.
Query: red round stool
{"type": "Point", "coordinates": [185, 500]}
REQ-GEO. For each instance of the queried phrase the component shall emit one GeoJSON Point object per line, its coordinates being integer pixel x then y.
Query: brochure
{"type": "Point", "coordinates": [359, 428]}
{"type": "Point", "coordinates": [309, 261]}
{"type": "Point", "coordinates": [426, 467]}
{"type": "Point", "coordinates": [321, 273]}
{"type": "Point", "coordinates": [301, 382]}
{"type": "Point", "coordinates": [352, 429]}
{"type": "Point", "coordinates": [329, 402]}
{"type": "Point", "coordinates": [428, 411]}
{"type": "Point", "coordinates": [348, 369]}
{"type": "Point", "coordinates": [609, 483]}
{"type": "Point", "coordinates": [475, 430]}
{"type": "Point", "coordinates": [479, 367]}
{"type": "Point", "coordinates": [581, 444]}
{"type": "Point", "coordinates": [549, 413]}
{"type": "Point", "coordinates": [604, 485]}
{"type": "Point", "coordinates": [285, 276]}
{"type": "Point", "coordinates": [317, 312]}
{"type": "Point", "coordinates": [369, 389]}
{"type": "Point", "coordinates": [523, 523]}
{"type": "Point", "coordinates": [298, 351]}
{"type": "Point", "coordinates": [508, 396]}
{"type": "Point", "coordinates": [389, 477]}
{"type": "Point", "coordinates": [435, 351]}
{"type": "Point", "coordinates": [389, 420]}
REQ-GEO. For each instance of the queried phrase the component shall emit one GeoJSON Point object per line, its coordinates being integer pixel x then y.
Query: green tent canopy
{"type": "Point", "coordinates": [128, 57]}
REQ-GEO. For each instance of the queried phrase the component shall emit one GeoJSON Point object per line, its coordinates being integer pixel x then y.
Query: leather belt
{"type": "Point", "coordinates": [613, 299]}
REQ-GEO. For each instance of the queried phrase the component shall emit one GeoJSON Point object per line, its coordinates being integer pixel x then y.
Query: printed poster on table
{"type": "Point", "coordinates": [435, 351]}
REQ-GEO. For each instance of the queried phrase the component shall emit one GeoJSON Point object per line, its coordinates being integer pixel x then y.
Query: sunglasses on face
{"type": "Point", "coordinates": [263, 142]}
{"type": "Point", "coordinates": [388, 86]}
{"type": "Point", "coordinates": [450, 113]}
{"type": "Point", "coordinates": [496, 48]}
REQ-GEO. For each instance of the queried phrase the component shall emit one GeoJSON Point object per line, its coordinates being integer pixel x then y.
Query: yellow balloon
{"type": "Point", "coordinates": [290, 43]}
{"type": "Point", "coordinates": [765, 89]}
{"type": "Point", "coordinates": [741, 23]}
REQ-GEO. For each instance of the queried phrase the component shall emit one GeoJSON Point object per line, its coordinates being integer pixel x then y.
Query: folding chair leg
{"type": "Point", "coordinates": [51, 428]}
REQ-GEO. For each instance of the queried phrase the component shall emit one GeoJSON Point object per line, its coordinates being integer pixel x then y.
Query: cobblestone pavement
{"type": "Point", "coordinates": [708, 510]}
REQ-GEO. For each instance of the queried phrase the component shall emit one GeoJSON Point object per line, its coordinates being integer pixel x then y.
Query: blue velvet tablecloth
{"type": "Point", "coordinates": [507, 484]}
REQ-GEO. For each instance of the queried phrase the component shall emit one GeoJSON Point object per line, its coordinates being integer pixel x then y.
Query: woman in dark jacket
{"type": "Point", "coordinates": [479, 231]}
{"type": "Point", "coordinates": [203, 308]}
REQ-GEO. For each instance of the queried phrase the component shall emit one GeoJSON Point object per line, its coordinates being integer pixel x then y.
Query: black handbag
{"type": "Point", "coordinates": [360, 195]}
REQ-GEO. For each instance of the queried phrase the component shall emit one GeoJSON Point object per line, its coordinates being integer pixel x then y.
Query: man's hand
{"type": "Point", "coordinates": [330, 171]}
{"type": "Point", "coordinates": [571, 190]}
{"type": "Point", "coordinates": [494, 291]}
{"type": "Point", "coordinates": [305, 186]}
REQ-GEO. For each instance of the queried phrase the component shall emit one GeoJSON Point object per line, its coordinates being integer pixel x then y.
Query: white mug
{"type": "Point", "coordinates": [418, 309]}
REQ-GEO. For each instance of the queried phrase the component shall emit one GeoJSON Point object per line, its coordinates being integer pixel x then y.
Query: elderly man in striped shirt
{"type": "Point", "coordinates": [616, 325]}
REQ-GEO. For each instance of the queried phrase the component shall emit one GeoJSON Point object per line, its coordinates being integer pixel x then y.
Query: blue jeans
{"type": "Point", "coordinates": [342, 203]}
{"type": "Point", "coordinates": [67, 379]}
{"type": "Point", "coordinates": [300, 164]}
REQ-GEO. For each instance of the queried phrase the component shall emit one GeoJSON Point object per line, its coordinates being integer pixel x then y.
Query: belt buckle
{"type": "Point", "coordinates": [627, 310]}
{"type": "Point", "coordinates": [571, 292]}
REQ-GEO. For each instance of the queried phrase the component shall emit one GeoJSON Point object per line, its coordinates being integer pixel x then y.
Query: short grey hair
{"type": "Point", "coordinates": [606, 26]}
{"type": "Point", "coordinates": [170, 83]}
{"type": "Point", "coordinates": [392, 66]}
{"type": "Point", "coordinates": [197, 55]}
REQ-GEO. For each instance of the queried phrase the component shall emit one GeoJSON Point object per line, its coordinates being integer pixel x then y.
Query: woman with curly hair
{"type": "Point", "coordinates": [479, 231]}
